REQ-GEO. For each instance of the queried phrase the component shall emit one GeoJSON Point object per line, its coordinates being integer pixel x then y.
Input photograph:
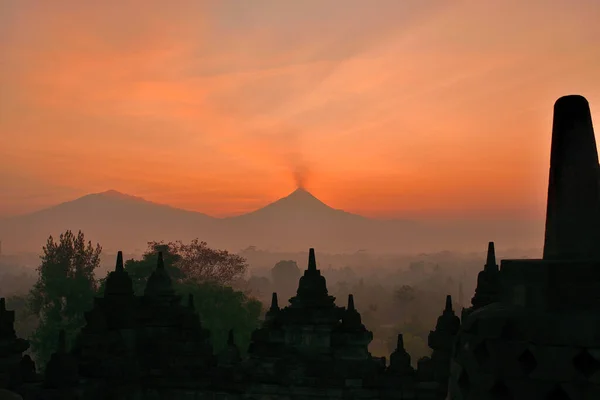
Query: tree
{"type": "Point", "coordinates": [64, 291]}
{"type": "Point", "coordinates": [260, 287]}
{"type": "Point", "coordinates": [222, 308]}
{"type": "Point", "coordinates": [286, 270]}
{"type": "Point", "coordinates": [200, 263]}
{"type": "Point", "coordinates": [417, 267]}
{"type": "Point", "coordinates": [285, 275]}
{"type": "Point", "coordinates": [405, 294]}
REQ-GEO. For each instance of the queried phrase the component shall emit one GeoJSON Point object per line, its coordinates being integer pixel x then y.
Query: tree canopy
{"type": "Point", "coordinates": [285, 275]}
{"type": "Point", "coordinates": [286, 272]}
{"type": "Point", "coordinates": [200, 263]}
{"type": "Point", "coordinates": [222, 308]}
{"type": "Point", "coordinates": [64, 291]}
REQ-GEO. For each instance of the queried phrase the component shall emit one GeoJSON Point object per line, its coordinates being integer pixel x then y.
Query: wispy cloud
{"type": "Point", "coordinates": [431, 105]}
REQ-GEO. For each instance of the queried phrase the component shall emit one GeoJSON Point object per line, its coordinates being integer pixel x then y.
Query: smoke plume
{"type": "Point", "coordinates": [300, 174]}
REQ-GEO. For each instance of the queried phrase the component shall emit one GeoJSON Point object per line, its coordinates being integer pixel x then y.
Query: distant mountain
{"type": "Point", "coordinates": [113, 219]}
{"type": "Point", "coordinates": [299, 206]}
{"type": "Point", "coordinates": [292, 223]}
{"type": "Point", "coordinates": [300, 221]}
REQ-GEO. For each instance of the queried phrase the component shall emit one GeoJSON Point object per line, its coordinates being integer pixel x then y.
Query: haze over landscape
{"type": "Point", "coordinates": [270, 199]}
{"type": "Point", "coordinates": [295, 222]}
{"type": "Point", "coordinates": [428, 136]}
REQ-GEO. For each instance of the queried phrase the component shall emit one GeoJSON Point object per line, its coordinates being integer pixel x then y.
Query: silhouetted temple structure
{"type": "Point", "coordinates": [534, 329]}
{"type": "Point", "coordinates": [11, 350]}
{"type": "Point", "coordinates": [154, 347]}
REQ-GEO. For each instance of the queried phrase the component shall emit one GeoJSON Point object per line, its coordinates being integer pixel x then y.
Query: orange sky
{"type": "Point", "coordinates": [411, 108]}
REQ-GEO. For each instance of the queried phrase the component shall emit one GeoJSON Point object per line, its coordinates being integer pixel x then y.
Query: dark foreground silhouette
{"type": "Point", "coordinates": [534, 329]}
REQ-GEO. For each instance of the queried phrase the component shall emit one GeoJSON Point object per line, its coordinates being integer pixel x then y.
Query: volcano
{"type": "Point", "coordinates": [300, 220]}
{"type": "Point", "coordinates": [295, 222]}
{"type": "Point", "coordinates": [300, 205]}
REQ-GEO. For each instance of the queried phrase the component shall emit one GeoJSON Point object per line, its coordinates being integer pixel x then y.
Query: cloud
{"type": "Point", "coordinates": [201, 99]}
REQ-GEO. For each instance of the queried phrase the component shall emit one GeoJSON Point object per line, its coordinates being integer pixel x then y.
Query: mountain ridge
{"type": "Point", "coordinates": [294, 222]}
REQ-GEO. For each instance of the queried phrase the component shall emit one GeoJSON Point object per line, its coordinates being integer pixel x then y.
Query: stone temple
{"type": "Point", "coordinates": [155, 347]}
{"type": "Point", "coordinates": [534, 329]}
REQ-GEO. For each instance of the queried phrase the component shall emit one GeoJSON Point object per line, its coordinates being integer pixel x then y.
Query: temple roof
{"type": "Point", "coordinates": [118, 281]}
{"type": "Point", "coordinates": [231, 353]}
{"type": "Point", "coordinates": [312, 288]}
{"type": "Point", "coordinates": [351, 317]}
{"type": "Point", "coordinates": [7, 320]}
{"type": "Point", "coordinates": [448, 321]}
{"type": "Point", "coordinates": [400, 359]}
{"type": "Point", "coordinates": [62, 368]}
{"type": "Point", "coordinates": [491, 264]}
{"type": "Point", "coordinates": [488, 282]}
{"type": "Point", "coordinates": [159, 283]}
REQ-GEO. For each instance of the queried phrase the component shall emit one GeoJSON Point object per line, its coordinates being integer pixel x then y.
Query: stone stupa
{"type": "Point", "coordinates": [538, 337]}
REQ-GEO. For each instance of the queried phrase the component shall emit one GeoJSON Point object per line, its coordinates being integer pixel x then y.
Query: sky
{"type": "Point", "coordinates": [386, 108]}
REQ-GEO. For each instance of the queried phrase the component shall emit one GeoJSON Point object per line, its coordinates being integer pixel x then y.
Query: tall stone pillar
{"type": "Point", "coordinates": [539, 339]}
{"type": "Point", "coordinates": [573, 212]}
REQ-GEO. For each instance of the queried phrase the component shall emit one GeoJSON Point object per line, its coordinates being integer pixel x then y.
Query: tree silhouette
{"type": "Point", "coordinates": [64, 291]}
{"type": "Point", "coordinates": [200, 263]}
{"type": "Point", "coordinates": [285, 275]}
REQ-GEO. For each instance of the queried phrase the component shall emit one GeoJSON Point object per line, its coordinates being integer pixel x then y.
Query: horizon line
{"type": "Point", "coordinates": [298, 188]}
